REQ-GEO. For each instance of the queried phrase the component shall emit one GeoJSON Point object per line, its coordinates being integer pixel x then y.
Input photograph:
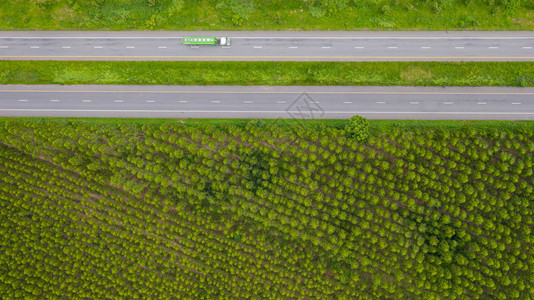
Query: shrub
{"type": "Point", "coordinates": [241, 10]}
{"type": "Point", "coordinates": [358, 128]}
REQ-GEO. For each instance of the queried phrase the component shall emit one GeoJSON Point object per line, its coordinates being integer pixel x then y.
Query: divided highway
{"type": "Point", "coordinates": [267, 102]}
{"type": "Point", "coordinates": [271, 46]}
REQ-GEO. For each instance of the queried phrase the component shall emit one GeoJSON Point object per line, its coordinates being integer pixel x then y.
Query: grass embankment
{"type": "Point", "coordinates": [266, 15]}
{"type": "Point", "coordinates": [164, 210]}
{"type": "Point", "coordinates": [270, 73]}
{"type": "Point", "coordinates": [374, 125]}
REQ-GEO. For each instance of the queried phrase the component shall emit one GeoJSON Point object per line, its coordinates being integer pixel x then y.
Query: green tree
{"type": "Point", "coordinates": [358, 129]}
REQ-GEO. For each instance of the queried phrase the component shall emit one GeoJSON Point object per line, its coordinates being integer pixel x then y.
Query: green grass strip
{"type": "Point", "coordinates": [266, 15]}
{"type": "Point", "coordinates": [269, 73]}
{"type": "Point", "coordinates": [374, 125]}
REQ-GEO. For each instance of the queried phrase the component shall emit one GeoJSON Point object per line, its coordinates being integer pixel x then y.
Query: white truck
{"type": "Point", "coordinates": [223, 41]}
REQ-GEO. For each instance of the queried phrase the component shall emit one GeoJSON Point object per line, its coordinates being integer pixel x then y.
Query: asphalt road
{"type": "Point", "coordinates": [267, 102]}
{"type": "Point", "coordinates": [271, 46]}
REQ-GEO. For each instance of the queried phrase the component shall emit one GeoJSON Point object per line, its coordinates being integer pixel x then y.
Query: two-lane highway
{"type": "Point", "coordinates": [271, 46]}
{"type": "Point", "coordinates": [268, 102]}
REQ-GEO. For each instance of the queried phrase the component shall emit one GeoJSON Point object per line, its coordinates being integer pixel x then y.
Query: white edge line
{"type": "Point", "coordinates": [267, 111]}
{"type": "Point", "coordinates": [286, 37]}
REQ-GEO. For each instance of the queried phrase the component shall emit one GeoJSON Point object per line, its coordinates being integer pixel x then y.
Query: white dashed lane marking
{"type": "Point", "coordinates": [118, 101]}
{"type": "Point", "coordinates": [516, 103]}
{"type": "Point", "coordinates": [98, 47]}
{"type": "Point", "coordinates": [326, 47]}
{"type": "Point", "coordinates": [54, 100]}
{"type": "Point", "coordinates": [425, 47]}
{"type": "Point", "coordinates": [414, 102]}
{"type": "Point", "coordinates": [347, 102]}
{"type": "Point", "coordinates": [215, 101]}
{"type": "Point", "coordinates": [130, 47]}
{"type": "Point", "coordinates": [182, 101]}
{"type": "Point", "coordinates": [151, 101]}
{"type": "Point", "coordinates": [86, 100]}
{"type": "Point", "coordinates": [293, 47]}
{"type": "Point", "coordinates": [392, 47]}
{"type": "Point", "coordinates": [458, 47]}
{"type": "Point", "coordinates": [162, 47]}
{"type": "Point", "coordinates": [448, 103]}
{"type": "Point", "coordinates": [527, 47]}
{"type": "Point", "coordinates": [34, 47]}
{"type": "Point", "coordinates": [358, 47]}
{"type": "Point", "coordinates": [258, 47]}
{"type": "Point", "coordinates": [66, 47]}
{"type": "Point", "coordinates": [380, 102]}
{"type": "Point", "coordinates": [23, 100]}
{"type": "Point", "coordinates": [248, 101]}
{"type": "Point", "coordinates": [482, 103]}
{"type": "Point", "coordinates": [4, 47]}
{"type": "Point", "coordinates": [493, 47]}
{"type": "Point", "coordinates": [280, 102]}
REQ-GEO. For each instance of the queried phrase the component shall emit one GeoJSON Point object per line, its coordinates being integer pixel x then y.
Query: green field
{"type": "Point", "coordinates": [266, 15]}
{"type": "Point", "coordinates": [269, 73]}
{"type": "Point", "coordinates": [185, 209]}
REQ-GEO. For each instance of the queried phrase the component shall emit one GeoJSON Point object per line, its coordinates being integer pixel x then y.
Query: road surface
{"type": "Point", "coordinates": [267, 102]}
{"type": "Point", "coordinates": [271, 46]}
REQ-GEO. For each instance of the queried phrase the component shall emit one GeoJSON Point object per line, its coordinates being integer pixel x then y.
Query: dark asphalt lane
{"type": "Point", "coordinates": [271, 46]}
{"type": "Point", "coordinates": [268, 102]}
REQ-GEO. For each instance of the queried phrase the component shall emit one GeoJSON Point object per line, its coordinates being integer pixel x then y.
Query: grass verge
{"type": "Point", "coordinates": [374, 125]}
{"type": "Point", "coordinates": [266, 15]}
{"type": "Point", "coordinates": [269, 73]}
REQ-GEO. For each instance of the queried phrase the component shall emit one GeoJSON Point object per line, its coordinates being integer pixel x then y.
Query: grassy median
{"type": "Point", "coordinates": [269, 73]}
{"type": "Point", "coordinates": [266, 15]}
